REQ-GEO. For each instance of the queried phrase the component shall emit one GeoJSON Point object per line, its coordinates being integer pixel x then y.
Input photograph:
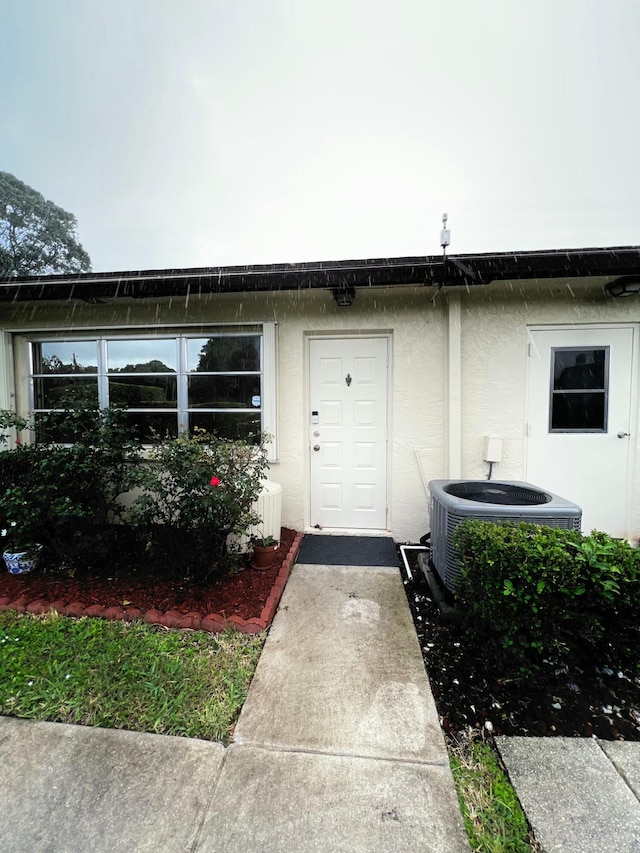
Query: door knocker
{"type": "Point", "coordinates": [348, 379]}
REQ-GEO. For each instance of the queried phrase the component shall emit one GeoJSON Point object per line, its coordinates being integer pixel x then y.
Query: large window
{"type": "Point", "coordinates": [167, 383]}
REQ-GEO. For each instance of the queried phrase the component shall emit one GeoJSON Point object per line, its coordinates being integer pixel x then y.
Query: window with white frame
{"type": "Point", "coordinates": [167, 383]}
{"type": "Point", "coordinates": [579, 389]}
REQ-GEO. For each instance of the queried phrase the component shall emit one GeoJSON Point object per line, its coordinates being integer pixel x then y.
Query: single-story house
{"type": "Point", "coordinates": [372, 377]}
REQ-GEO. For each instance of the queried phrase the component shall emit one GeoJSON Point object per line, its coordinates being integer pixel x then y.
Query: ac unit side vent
{"type": "Point", "coordinates": [448, 511]}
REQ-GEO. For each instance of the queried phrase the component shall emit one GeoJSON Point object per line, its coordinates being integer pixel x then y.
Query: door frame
{"type": "Point", "coordinates": [630, 488]}
{"type": "Point", "coordinates": [344, 336]}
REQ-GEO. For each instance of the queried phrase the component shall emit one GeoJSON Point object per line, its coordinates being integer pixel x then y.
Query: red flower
{"type": "Point", "coordinates": [214, 481]}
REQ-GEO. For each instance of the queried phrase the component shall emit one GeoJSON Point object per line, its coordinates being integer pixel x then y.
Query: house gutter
{"type": "Point", "coordinates": [461, 270]}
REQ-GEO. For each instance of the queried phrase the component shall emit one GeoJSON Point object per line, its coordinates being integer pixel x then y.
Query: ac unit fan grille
{"type": "Point", "coordinates": [498, 493]}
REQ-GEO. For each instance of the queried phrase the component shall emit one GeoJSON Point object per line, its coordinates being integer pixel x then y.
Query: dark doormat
{"type": "Point", "coordinates": [348, 551]}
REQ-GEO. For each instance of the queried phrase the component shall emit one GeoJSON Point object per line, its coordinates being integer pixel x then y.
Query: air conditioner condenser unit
{"type": "Point", "coordinates": [453, 501]}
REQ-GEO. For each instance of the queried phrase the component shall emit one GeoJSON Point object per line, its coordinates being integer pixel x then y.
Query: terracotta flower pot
{"type": "Point", "coordinates": [264, 556]}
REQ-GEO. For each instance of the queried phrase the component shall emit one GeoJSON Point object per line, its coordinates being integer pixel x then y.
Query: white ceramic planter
{"type": "Point", "coordinates": [21, 562]}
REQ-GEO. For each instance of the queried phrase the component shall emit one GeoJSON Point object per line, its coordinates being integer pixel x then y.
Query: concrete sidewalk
{"type": "Point", "coordinates": [72, 789]}
{"type": "Point", "coordinates": [339, 741]}
{"type": "Point", "coordinates": [338, 748]}
{"type": "Point", "coordinates": [580, 795]}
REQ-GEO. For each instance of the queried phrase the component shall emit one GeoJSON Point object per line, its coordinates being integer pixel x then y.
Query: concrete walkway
{"type": "Point", "coordinates": [580, 795]}
{"type": "Point", "coordinates": [338, 748]}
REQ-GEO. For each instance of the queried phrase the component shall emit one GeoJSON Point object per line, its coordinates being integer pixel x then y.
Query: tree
{"type": "Point", "coordinates": [36, 236]}
{"type": "Point", "coordinates": [224, 353]}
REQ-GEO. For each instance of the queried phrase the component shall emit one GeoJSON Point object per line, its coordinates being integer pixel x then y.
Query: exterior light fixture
{"type": "Point", "coordinates": [344, 295]}
{"type": "Point", "coordinates": [627, 285]}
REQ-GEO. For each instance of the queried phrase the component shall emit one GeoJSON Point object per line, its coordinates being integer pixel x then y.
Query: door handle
{"type": "Point", "coordinates": [316, 447]}
{"type": "Point", "coordinates": [623, 434]}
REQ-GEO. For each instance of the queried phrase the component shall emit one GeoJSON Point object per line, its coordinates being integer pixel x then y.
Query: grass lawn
{"type": "Point", "coordinates": [144, 678]}
{"type": "Point", "coordinates": [124, 675]}
{"type": "Point", "coordinates": [493, 817]}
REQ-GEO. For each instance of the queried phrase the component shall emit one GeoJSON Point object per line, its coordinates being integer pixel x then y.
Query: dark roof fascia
{"type": "Point", "coordinates": [433, 271]}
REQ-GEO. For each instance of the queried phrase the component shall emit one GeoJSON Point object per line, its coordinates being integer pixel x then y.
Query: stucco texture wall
{"type": "Point", "coordinates": [416, 331]}
{"type": "Point", "coordinates": [493, 379]}
{"type": "Point", "coordinates": [414, 322]}
{"type": "Point", "coordinates": [495, 323]}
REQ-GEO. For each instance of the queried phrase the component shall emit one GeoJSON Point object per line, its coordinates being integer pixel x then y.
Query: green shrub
{"type": "Point", "coordinates": [65, 497]}
{"type": "Point", "coordinates": [197, 490]}
{"type": "Point", "coordinates": [543, 592]}
{"type": "Point", "coordinates": [191, 493]}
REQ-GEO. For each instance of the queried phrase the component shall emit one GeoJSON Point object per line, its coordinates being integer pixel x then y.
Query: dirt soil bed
{"type": "Point", "coordinates": [473, 687]}
{"type": "Point", "coordinates": [242, 594]}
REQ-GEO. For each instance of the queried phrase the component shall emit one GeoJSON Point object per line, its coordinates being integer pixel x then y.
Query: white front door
{"type": "Point", "coordinates": [579, 420]}
{"type": "Point", "coordinates": [348, 432]}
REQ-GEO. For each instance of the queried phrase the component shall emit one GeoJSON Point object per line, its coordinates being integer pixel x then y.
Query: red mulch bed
{"type": "Point", "coordinates": [246, 600]}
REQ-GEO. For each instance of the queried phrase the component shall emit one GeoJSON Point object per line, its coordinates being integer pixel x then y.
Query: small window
{"type": "Point", "coordinates": [579, 389]}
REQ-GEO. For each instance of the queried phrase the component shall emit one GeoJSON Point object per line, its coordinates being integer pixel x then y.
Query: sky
{"type": "Point", "coordinates": [186, 133]}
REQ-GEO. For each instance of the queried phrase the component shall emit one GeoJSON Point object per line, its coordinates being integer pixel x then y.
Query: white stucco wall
{"type": "Point", "coordinates": [435, 413]}
{"type": "Point", "coordinates": [495, 322]}
{"type": "Point", "coordinates": [416, 331]}
{"type": "Point", "coordinates": [416, 328]}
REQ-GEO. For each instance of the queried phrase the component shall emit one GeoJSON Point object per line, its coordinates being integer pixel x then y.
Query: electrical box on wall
{"type": "Point", "coordinates": [492, 448]}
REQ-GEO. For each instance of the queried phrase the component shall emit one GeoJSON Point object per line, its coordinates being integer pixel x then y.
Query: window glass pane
{"type": "Point", "coordinates": [142, 377]}
{"type": "Point", "coordinates": [48, 430]}
{"type": "Point", "coordinates": [143, 392]}
{"type": "Point", "coordinates": [151, 426]}
{"type": "Point", "coordinates": [145, 356]}
{"type": "Point", "coordinates": [66, 392]}
{"type": "Point", "coordinates": [65, 357]}
{"type": "Point", "coordinates": [224, 354]}
{"type": "Point", "coordinates": [579, 368]}
{"type": "Point", "coordinates": [224, 392]}
{"type": "Point", "coordinates": [586, 411]}
{"type": "Point", "coordinates": [232, 425]}
{"type": "Point", "coordinates": [579, 389]}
